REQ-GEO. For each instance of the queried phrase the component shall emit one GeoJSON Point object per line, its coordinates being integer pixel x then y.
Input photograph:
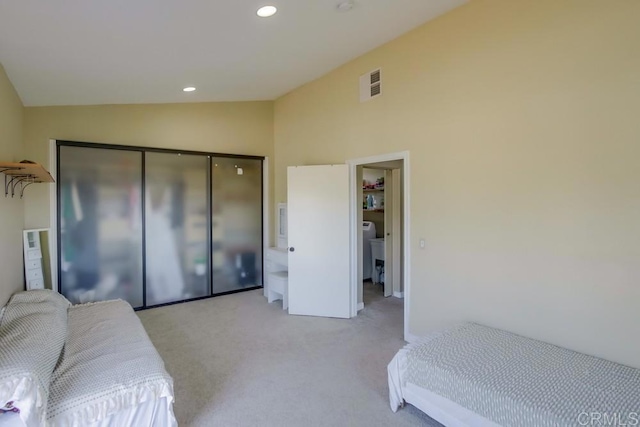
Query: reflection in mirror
{"type": "Point", "coordinates": [37, 259]}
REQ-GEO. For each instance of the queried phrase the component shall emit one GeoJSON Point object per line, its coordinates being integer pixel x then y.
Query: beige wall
{"type": "Point", "coordinates": [231, 127]}
{"type": "Point", "coordinates": [11, 209]}
{"type": "Point", "coordinates": [521, 118]}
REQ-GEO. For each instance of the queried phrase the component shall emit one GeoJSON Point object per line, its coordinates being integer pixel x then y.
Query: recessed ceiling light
{"type": "Point", "coordinates": [189, 89]}
{"type": "Point", "coordinates": [345, 6]}
{"type": "Point", "coordinates": [267, 11]}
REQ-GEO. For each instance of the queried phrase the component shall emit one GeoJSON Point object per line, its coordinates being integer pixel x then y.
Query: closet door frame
{"type": "Point", "coordinates": [56, 217]}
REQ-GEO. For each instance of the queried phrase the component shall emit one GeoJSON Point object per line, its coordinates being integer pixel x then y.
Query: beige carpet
{"type": "Point", "coordinates": [238, 361]}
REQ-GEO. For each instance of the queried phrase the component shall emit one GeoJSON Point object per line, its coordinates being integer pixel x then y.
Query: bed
{"type": "Point", "coordinates": [473, 375]}
{"type": "Point", "coordinates": [83, 365]}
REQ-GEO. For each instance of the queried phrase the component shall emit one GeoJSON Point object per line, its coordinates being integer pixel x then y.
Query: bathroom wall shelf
{"type": "Point", "coordinates": [18, 176]}
{"type": "Point", "coordinates": [371, 190]}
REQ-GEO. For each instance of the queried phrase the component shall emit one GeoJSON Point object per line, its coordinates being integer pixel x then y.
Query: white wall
{"type": "Point", "coordinates": [371, 175]}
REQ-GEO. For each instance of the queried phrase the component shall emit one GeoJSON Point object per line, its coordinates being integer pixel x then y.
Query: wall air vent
{"type": "Point", "coordinates": [375, 77]}
{"type": "Point", "coordinates": [370, 85]}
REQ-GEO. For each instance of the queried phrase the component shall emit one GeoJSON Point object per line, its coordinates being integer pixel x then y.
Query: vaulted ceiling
{"type": "Point", "coordinates": [79, 52]}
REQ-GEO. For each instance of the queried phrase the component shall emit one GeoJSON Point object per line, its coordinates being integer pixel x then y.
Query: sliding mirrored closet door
{"type": "Point", "coordinates": [100, 223]}
{"type": "Point", "coordinates": [176, 210]}
{"type": "Point", "coordinates": [237, 223]}
{"type": "Point", "coordinates": [157, 226]}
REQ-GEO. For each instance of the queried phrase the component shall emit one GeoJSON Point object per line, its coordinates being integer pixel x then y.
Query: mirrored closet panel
{"type": "Point", "coordinates": [156, 226]}
{"type": "Point", "coordinates": [100, 224]}
{"type": "Point", "coordinates": [176, 227]}
{"type": "Point", "coordinates": [237, 223]}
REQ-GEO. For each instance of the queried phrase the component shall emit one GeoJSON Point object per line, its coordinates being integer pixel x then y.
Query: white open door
{"type": "Point", "coordinates": [318, 231]}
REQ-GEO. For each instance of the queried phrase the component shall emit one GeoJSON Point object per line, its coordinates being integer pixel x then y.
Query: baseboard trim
{"type": "Point", "coordinates": [360, 306]}
{"type": "Point", "coordinates": [398, 294]}
{"type": "Point", "coordinates": [410, 338]}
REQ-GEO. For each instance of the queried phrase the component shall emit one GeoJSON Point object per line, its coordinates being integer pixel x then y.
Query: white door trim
{"type": "Point", "coordinates": [355, 228]}
{"type": "Point", "coordinates": [53, 214]}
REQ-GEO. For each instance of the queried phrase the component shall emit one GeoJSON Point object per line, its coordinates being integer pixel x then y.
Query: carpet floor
{"type": "Point", "coordinates": [238, 361]}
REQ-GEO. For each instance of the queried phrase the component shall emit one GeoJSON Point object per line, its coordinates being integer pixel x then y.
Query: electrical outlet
{"type": "Point", "coordinates": [422, 244]}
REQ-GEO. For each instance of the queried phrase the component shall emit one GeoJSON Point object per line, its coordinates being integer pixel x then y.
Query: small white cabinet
{"type": "Point", "coordinates": [277, 262]}
{"type": "Point", "coordinates": [277, 275]}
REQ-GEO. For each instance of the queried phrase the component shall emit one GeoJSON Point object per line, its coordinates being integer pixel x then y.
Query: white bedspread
{"type": "Point", "coordinates": [515, 381]}
{"type": "Point", "coordinates": [109, 365]}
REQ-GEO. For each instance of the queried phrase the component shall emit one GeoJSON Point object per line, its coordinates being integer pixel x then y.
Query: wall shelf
{"type": "Point", "coordinates": [370, 190]}
{"type": "Point", "coordinates": [21, 175]}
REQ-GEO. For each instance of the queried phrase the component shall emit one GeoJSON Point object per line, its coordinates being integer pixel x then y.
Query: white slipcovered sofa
{"type": "Point", "coordinates": [79, 365]}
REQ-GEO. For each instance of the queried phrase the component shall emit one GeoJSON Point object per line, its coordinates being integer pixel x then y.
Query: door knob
{"type": "Point", "coordinates": [292, 249]}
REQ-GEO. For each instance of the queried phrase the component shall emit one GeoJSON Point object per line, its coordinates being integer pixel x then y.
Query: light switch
{"type": "Point", "coordinates": [422, 244]}
{"type": "Point", "coordinates": [240, 171]}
